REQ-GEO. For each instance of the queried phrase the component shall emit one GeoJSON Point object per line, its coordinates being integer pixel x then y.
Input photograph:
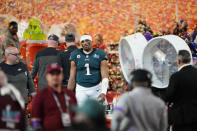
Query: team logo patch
{"type": "Point", "coordinates": [96, 56]}
{"type": "Point", "coordinates": [87, 58]}
{"type": "Point", "coordinates": [78, 56]}
{"type": "Point", "coordinates": [11, 117]}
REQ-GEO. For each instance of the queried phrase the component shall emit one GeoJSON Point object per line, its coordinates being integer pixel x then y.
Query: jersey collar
{"type": "Point", "coordinates": [87, 54]}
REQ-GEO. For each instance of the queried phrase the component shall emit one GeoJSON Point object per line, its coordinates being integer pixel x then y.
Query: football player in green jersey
{"type": "Point", "coordinates": [89, 71]}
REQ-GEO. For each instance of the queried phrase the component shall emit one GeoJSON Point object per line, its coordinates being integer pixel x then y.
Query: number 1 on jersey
{"type": "Point", "coordinates": [87, 69]}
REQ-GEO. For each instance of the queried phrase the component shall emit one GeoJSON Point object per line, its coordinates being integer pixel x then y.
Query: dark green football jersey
{"type": "Point", "coordinates": [88, 72]}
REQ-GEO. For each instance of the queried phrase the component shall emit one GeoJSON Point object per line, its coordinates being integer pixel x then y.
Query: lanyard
{"type": "Point", "coordinates": [58, 103]}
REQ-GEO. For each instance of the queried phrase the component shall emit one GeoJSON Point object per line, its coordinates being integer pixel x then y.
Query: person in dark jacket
{"type": "Point", "coordinates": [181, 95]}
{"type": "Point", "coordinates": [17, 73]}
{"type": "Point", "coordinates": [64, 57]}
{"type": "Point", "coordinates": [43, 58]}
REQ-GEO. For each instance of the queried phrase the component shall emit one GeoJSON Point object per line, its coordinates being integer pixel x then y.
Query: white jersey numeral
{"type": "Point", "coordinates": [87, 69]}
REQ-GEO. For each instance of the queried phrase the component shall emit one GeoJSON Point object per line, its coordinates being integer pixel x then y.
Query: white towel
{"type": "Point", "coordinates": [9, 89]}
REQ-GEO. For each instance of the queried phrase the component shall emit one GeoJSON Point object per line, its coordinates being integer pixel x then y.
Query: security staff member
{"type": "Point", "coordinates": [64, 56]}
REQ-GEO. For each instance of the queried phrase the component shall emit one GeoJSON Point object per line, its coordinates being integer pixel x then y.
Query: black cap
{"type": "Point", "coordinates": [141, 75]}
{"type": "Point", "coordinates": [70, 38]}
{"type": "Point", "coordinates": [53, 37]}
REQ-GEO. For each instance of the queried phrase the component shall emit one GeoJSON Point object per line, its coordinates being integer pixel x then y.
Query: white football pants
{"type": "Point", "coordinates": [82, 93]}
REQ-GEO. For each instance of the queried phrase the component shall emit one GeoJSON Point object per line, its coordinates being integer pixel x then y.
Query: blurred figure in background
{"type": "Point", "coordinates": [64, 57]}
{"type": "Point", "coordinates": [139, 109]}
{"type": "Point", "coordinates": [90, 116]}
{"type": "Point", "coordinates": [17, 73]}
{"type": "Point", "coordinates": [51, 107]}
{"type": "Point", "coordinates": [11, 38]}
{"type": "Point", "coordinates": [43, 58]}
{"type": "Point", "coordinates": [177, 29]}
{"type": "Point", "coordinates": [194, 34]}
{"type": "Point", "coordinates": [12, 116]}
{"type": "Point", "coordinates": [99, 42]}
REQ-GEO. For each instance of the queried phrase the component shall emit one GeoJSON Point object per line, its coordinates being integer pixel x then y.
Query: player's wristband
{"type": "Point", "coordinates": [104, 86]}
